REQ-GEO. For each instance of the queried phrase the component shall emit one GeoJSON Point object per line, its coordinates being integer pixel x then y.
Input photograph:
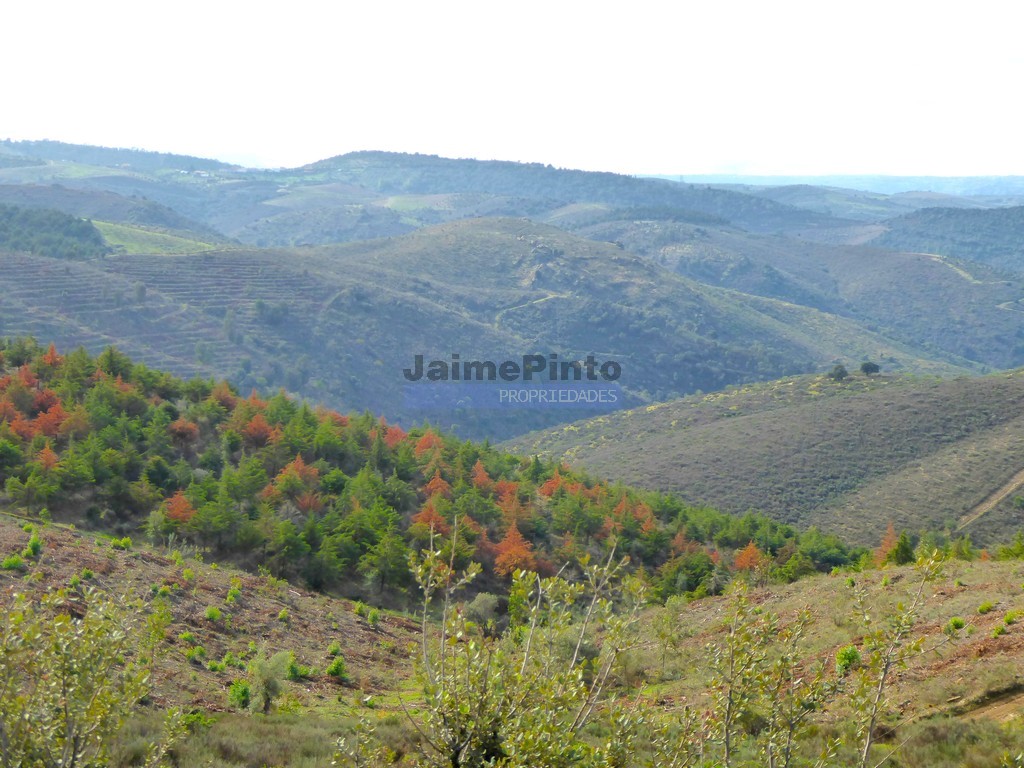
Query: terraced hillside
{"type": "Point", "coordinates": [339, 324]}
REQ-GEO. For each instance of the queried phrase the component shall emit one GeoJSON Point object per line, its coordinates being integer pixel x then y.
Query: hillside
{"type": "Point", "coordinates": [844, 456]}
{"type": "Point", "coordinates": [318, 321]}
{"type": "Point", "coordinates": [959, 700]}
{"type": "Point", "coordinates": [961, 308]}
{"type": "Point", "coordinates": [991, 237]}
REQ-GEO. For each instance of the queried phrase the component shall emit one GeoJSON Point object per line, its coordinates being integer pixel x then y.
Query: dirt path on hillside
{"type": "Point", "coordinates": [1000, 709]}
{"type": "Point", "coordinates": [990, 501]}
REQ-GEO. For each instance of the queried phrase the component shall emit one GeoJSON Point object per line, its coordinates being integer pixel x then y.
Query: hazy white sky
{"type": "Point", "coordinates": [765, 86]}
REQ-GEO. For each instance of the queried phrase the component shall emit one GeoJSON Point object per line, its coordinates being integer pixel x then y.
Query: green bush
{"type": "Point", "coordinates": [985, 607]}
{"type": "Point", "coordinates": [239, 694]}
{"type": "Point", "coordinates": [283, 616]}
{"type": "Point", "coordinates": [35, 546]}
{"type": "Point", "coordinates": [213, 613]}
{"type": "Point", "coordinates": [337, 669]}
{"type": "Point", "coordinates": [954, 625]}
{"type": "Point", "coordinates": [196, 654]}
{"type": "Point", "coordinates": [846, 659]}
{"type": "Point", "coordinates": [13, 563]}
{"type": "Point", "coordinates": [373, 618]}
{"type": "Point", "coordinates": [334, 648]}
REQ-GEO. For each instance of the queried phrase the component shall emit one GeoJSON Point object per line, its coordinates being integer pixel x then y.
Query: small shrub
{"type": "Point", "coordinates": [196, 721]}
{"type": "Point", "coordinates": [213, 613]}
{"type": "Point", "coordinates": [196, 654]}
{"type": "Point", "coordinates": [362, 609]}
{"type": "Point", "coordinates": [337, 669]}
{"type": "Point", "coordinates": [164, 591]}
{"type": "Point", "coordinates": [846, 659]}
{"type": "Point", "coordinates": [87, 574]}
{"type": "Point", "coordinates": [125, 543]}
{"type": "Point", "coordinates": [373, 618]}
{"type": "Point", "coordinates": [283, 616]}
{"type": "Point", "coordinates": [188, 574]}
{"type": "Point", "coordinates": [334, 648]}
{"type": "Point", "coordinates": [985, 607]}
{"type": "Point", "coordinates": [295, 671]}
{"type": "Point", "coordinates": [954, 625]}
{"type": "Point", "coordinates": [958, 582]}
{"type": "Point", "coordinates": [239, 694]}
{"type": "Point", "coordinates": [1012, 617]}
{"type": "Point", "coordinates": [187, 637]}
{"type": "Point", "coordinates": [851, 582]}
{"type": "Point", "coordinates": [1000, 629]}
{"type": "Point", "coordinates": [13, 563]}
{"type": "Point", "coordinates": [232, 596]}
{"type": "Point", "coordinates": [35, 546]}
{"type": "Point", "coordinates": [215, 666]}
{"type": "Point", "coordinates": [230, 660]}
{"type": "Point", "coordinates": [74, 581]}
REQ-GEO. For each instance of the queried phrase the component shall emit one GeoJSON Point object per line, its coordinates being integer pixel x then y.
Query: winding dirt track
{"type": "Point", "coordinates": [990, 501]}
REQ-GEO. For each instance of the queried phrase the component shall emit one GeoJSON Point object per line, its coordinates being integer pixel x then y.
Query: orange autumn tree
{"type": "Point", "coordinates": [47, 458]}
{"type": "Point", "coordinates": [750, 558]}
{"type": "Point", "coordinates": [438, 486]}
{"type": "Point", "coordinates": [481, 479]}
{"type": "Point", "coordinates": [889, 542]}
{"type": "Point", "coordinates": [179, 509]}
{"type": "Point", "coordinates": [513, 553]}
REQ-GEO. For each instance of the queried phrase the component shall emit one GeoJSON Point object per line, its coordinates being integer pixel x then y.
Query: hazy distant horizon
{"type": "Point", "coordinates": [750, 88]}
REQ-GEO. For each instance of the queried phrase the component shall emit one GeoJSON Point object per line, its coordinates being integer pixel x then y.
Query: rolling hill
{"type": "Point", "coordinates": [340, 323]}
{"type": "Point", "coordinates": [846, 456]}
{"type": "Point", "coordinates": [992, 237]}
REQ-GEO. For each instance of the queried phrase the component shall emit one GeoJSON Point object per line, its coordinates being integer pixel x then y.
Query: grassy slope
{"type": "Point", "coordinates": [132, 240]}
{"type": "Point", "coordinates": [847, 457]}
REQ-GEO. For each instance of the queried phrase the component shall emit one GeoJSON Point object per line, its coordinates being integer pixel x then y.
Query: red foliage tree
{"type": "Point", "coordinates": [51, 359]}
{"type": "Point", "coordinates": [257, 432]}
{"type": "Point", "coordinates": [222, 394]}
{"type": "Point", "coordinates": [429, 443]}
{"type": "Point", "coordinates": [438, 486]}
{"type": "Point", "coordinates": [428, 518]}
{"type": "Point", "coordinates": [183, 431]}
{"type": "Point", "coordinates": [44, 400]}
{"type": "Point", "coordinates": [50, 422]}
{"type": "Point", "coordinates": [394, 435]}
{"type": "Point", "coordinates": [889, 542]}
{"type": "Point", "coordinates": [481, 479]}
{"type": "Point", "coordinates": [552, 485]}
{"type": "Point", "coordinates": [7, 410]}
{"type": "Point", "coordinates": [513, 552]}
{"type": "Point", "coordinates": [179, 509]}
{"type": "Point", "coordinates": [23, 428]}
{"type": "Point", "coordinates": [47, 458]}
{"type": "Point", "coordinates": [750, 558]}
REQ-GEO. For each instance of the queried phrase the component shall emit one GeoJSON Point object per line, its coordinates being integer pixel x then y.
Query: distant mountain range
{"type": "Point", "coordinates": [328, 279]}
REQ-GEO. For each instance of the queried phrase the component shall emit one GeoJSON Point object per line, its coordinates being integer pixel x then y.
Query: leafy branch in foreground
{"type": "Point", "coordinates": [72, 668]}
{"type": "Point", "coordinates": [525, 697]}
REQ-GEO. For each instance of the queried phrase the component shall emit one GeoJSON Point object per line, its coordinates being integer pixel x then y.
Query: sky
{"type": "Point", "coordinates": [686, 87]}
